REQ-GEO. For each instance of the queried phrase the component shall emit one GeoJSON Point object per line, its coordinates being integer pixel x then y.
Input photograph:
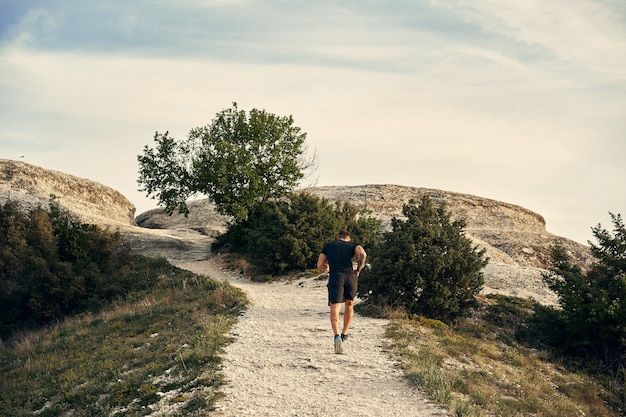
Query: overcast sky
{"type": "Point", "coordinates": [517, 101]}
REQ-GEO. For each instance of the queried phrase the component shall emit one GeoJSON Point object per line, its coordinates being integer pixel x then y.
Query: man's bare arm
{"type": "Point", "coordinates": [360, 254]}
{"type": "Point", "coordinates": [322, 263]}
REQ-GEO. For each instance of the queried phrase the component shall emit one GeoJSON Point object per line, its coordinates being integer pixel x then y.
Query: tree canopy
{"type": "Point", "coordinates": [238, 160]}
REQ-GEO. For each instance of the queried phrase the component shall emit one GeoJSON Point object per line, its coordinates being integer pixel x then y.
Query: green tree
{"type": "Point", "coordinates": [592, 317]}
{"type": "Point", "coordinates": [237, 161]}
{"type": "Point", "coordinates": [425, 265]}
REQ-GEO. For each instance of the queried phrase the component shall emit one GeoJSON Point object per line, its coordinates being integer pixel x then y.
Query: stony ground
{"type": "Point", "coordinates": [282, 362]}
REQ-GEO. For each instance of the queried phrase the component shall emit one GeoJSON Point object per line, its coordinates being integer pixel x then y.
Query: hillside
{"type": "Point", "coordinates": [31, 186]}
{"type": "Point", "coordinates": [515, 238]}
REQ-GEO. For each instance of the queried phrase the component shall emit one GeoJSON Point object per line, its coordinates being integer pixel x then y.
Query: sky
{"type": "Point", "coordinates": [517, 101]}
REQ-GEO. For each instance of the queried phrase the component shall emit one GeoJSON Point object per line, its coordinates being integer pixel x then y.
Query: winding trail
{"type": "Point", "coordinates": [282, 363]}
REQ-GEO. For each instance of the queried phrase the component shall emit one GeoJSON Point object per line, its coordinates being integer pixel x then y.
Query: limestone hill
{"type": "Point", "coordinates": [31, 186]}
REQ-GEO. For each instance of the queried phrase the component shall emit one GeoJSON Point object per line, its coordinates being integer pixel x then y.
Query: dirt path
{"type": "Point", "coordinates": [282, 361]}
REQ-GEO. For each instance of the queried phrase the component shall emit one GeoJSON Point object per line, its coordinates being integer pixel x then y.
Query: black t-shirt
{"type": "Point", "coordinates": [339, 254]}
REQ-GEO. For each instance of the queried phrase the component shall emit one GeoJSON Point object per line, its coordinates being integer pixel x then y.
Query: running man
{"type": "Point", "coordinates": [336, 257]}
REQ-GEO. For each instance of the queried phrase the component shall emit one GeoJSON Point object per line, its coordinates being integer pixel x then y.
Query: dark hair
{"type": "Point", "coordinates": [343, 233]}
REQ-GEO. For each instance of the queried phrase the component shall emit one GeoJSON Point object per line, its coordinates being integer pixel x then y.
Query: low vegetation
{"type": "Point", "coordinates": [89, 329]}
{"type": "Point", "coordinates": [156, 353]}
{"type": "Point", "coordinates": [513, 357]}
{"type": "Point", "coordinates": [484, 367]}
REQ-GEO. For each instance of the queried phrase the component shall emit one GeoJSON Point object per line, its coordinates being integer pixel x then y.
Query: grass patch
{"type": "Point", "coordinates": [478, 368]}
{"type": "Point", "coordinates": [139, 356]}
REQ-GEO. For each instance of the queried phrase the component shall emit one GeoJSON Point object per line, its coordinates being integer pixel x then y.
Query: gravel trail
{"type": "Point", "coordinates": [282, 361]}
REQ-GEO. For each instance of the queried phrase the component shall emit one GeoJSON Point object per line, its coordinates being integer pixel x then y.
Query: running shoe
{"type": "Point", "coordinates": [338, 347]}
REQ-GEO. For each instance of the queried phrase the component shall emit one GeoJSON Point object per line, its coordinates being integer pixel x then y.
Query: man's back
{"type": "Point", "coordinates": [339, 254]}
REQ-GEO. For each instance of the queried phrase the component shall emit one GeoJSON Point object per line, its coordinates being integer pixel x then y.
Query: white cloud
{"type": "Point", "coordinates": [590, 34]}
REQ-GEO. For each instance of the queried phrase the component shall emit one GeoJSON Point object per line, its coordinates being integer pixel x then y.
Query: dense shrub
{"type": "Point", "coordinates": [52, 266]}
{"type": "Point", "coordinates": [288, 234]}
{"type": "Point", "coordinates": [425, 265]}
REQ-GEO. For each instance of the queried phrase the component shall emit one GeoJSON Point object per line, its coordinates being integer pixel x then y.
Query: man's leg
{"type": "Point", "coordinates": [351, 289]}
{"type": "Point", "coordinates": [335, 308]}
{"type": "Point", "coordinates": [334, 322]}
{"type": "Point", "coordinates": [347, 316]}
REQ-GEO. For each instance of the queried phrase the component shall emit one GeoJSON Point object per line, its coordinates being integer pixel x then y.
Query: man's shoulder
{"type": "Point", "coordinates": [340, 243]}
{"type": "Point", "coordinates": [335, 243]}
{"type": "Point", "coordinates": [327, 245]}
{"type": "Point", "coordinates": [347, 244]}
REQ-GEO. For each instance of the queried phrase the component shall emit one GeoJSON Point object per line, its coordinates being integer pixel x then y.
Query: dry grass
{"type": "Point", "coordinates": [477, 368]}
{"type": "Point", "coordinates": [159, 354]}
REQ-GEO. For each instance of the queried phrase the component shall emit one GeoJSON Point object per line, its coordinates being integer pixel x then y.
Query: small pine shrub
{"type": "Point", "coordinates": [425, 265]}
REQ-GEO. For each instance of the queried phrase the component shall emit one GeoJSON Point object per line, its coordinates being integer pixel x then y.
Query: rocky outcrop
{"type": "Point", "coordinates": [202, 218]}
{"type": "Point", "coordinates": [91, 202]}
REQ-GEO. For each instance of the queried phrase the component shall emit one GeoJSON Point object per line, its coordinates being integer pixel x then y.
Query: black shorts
{"type": "Point", "coordinates": [342, 287]}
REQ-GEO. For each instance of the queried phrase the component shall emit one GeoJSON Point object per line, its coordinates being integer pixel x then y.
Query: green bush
{"type": "Point", "coordinates": [288, 235]}
{"type": "Point", "coordinates": [52, 266]}
{"type": "Point", "coordinates": [425, 265]}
